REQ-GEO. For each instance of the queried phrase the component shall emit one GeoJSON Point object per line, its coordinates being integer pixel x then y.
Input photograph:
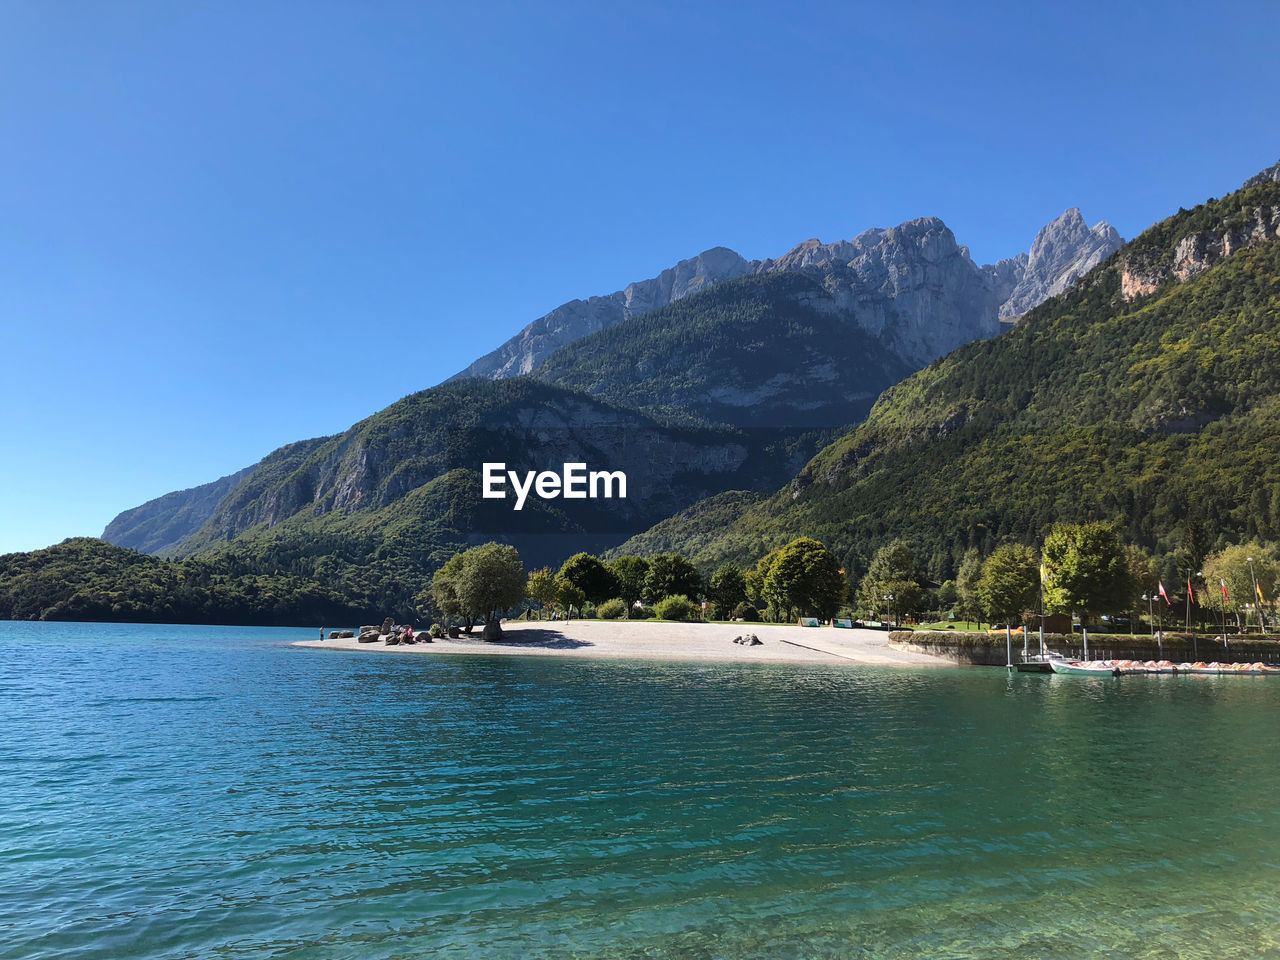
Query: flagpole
{"type": "Point", "coordinates": [1257, 596]}
{"type": "Point", "coordinates": [1225, 600]}
{"type": "Point", "coordinates": [1188, 601]}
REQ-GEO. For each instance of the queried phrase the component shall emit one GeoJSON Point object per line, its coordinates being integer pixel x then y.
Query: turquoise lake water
{"type": "Point", "coordinates": [213, 792]}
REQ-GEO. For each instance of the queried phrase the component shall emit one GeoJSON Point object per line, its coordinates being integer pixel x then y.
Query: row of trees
{"type": "Point", "coordinates": [1082, 569]}
{"type": "Point", "coordinates": [480, 583]}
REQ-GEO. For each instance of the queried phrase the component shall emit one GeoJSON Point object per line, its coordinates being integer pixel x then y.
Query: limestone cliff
{"type": "Point", "coordinates": [1185, 245]}
{"type": "Point", "coordinates": [911, 285]}
{"type": "Point", "coordinates": [1062, 251]}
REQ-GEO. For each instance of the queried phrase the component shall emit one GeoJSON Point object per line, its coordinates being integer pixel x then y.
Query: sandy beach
{"type": "Point", "coordinates": [647, 640]}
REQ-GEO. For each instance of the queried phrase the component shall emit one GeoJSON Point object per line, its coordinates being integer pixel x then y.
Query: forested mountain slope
{"type": "Point", "coordinates": [771, 351]}
{"type": "Point", "coordinates": [376, 509]}
{"type": "Point", "coordinates": [1149, 394]}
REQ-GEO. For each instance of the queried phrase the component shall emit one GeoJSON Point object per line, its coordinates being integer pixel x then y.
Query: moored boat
{"type": "Point", "coordinates": [1115, 668]}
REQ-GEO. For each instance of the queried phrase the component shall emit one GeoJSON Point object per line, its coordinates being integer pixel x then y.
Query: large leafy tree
{"type": "Point", "coordinates": [671, 575]}
{"type": "Point", "coordinates": [762, 588]}
{"type": "Point", "coordinates": [806, 576]}
{"type": "Point", "coordinates": [970, 572]}
{"type": "Point", "coordinates": [630, 573]}
{"type": "Point", "coordinates": [1086, 570]}
{"type": "Point", "coordinates": [590, 575]}
{"type": "Point", "coordinates": [480, 582]}
{"type": "Point", "coordinates": [727, 588]}
{"type": "Point", "coordinates": [569, 595]}
{"type": "Point", "coordinates": [1009, 583]}
{"type": "Point", "coordinates": [542, 587]}
{"type": "Point", "coordinates": [444, 591]}
{"type": "Point", "coordinates": [1231, 566]}
{"type": "Point", "coordinates": [892, 572]}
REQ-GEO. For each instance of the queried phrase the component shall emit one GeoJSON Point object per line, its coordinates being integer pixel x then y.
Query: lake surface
{"type": "Point", "coordinates": [175, 791]}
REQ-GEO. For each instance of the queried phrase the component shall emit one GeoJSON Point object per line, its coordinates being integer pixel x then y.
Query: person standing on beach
{"type": "Point", "coordinates": [322, 633]}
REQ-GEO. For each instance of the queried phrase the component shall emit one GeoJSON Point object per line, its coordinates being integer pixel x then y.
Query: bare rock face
{"type": "Point", "coordinates": [578, 318]}
{"type": "Point", "coordinates": [1197, 252]}
{"type": "Point", "coordinates": [1269, 175]}
{"type": "Point", "coordinates": [1061, 252]}
{"type": "Point", "coordinates": [912, 286]}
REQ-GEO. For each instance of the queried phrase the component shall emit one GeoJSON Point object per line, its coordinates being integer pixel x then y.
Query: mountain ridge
{"type": "Point", "coordinates": [1147, 407]}
{"type": "Point", "coordinates": [1047, 269]}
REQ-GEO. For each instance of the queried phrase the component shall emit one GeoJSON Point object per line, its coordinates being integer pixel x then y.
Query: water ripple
{"type": "Point", "coordinates": [197, 792]}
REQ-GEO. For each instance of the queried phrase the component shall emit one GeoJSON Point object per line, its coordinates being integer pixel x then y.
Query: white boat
{"type": "Point", "coordinates": [1116, 668]}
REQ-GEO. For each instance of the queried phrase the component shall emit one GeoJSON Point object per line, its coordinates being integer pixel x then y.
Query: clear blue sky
{"type": "Point", "coordinates": [224, 227]}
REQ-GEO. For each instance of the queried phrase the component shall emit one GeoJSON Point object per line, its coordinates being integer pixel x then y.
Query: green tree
{"type": "Point", "coordinates": [1009, 583]}
{"type": "Point", "coordinates": [753, 581]}
{"type": "Point", "coordinates": [444, 591]}
{"type": "Point", "coordinates": [670, 575]}
{"type": "Point", "coordinates": [805, 576]}
{"type": "Point", "coordinates": [542, 588]}
{"type": "Point", "coordinates": [1143, 582]}
{"type": "Point", "coordinates": [1194, 545]}
{"type": "Point", "coordinates": [968, 604]}
{"type": "Point", "coordinates": [630, 572]}
{"type": "Point", "coordinates": [569, 595]}
{"type": "Point", "coordinates": [1086, 570]}
{"type": "Point", "coordinates": [728, 588]}
{"type": "Point", "coordinates": [763, 589]}
{"type": "Point", "coordinates": [892, 571]}
{"type": "Point", "coordinates": [1231, 565]}
{"type": "Point", "coordinates": [480, 582]}
{"type": "Point", "coordinates": [589, 574]}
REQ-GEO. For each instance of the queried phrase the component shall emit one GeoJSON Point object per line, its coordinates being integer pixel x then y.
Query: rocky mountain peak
{"type": "Point", "coordinates": [1269, 175]}
{"type": "Point", "coordinates": [1062, 251]}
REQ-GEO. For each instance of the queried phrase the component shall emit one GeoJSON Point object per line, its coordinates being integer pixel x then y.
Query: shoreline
{"type": "Point", "coordinates": [654, 640]}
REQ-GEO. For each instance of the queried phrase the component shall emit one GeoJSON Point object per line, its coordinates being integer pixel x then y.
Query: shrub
{"type": "Point", "coordinates": [613, 609]}
{"type": "Point", "coordinates": [642, 613]}
{"type": "Point", "coordinates": [588, 611]}
{"type": "Point", "coordinates": [746, 612]}
{"type": "Point", "coordinates": [678, 607]}
{"type": "Point", "coordinates": [436, 631]}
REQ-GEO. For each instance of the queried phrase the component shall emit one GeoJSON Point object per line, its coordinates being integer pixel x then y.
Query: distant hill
{"type": "Point", "coordinates": [1149, 394]}
{"type": "Point", "coordinates": [379, 507]}
{"type": "Point", "coordinates": [159, 525]}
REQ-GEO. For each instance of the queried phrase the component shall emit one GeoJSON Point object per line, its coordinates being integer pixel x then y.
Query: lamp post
{"type": "Point", "coordinates": [1151, 623]}
{"type": "Point", "coordinates": [888, 597]}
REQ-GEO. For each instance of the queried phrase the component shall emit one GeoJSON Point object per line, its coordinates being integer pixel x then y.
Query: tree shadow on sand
{"type": "Point", "coordinates": [546, 639]}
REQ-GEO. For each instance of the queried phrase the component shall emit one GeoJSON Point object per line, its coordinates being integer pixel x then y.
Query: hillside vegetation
{"type": "Point", "coordinates": [1154, 411]}
{"type": "Point", "coordinates": [768, 351]}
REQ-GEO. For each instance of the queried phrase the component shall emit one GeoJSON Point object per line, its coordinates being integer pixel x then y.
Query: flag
{"type": "Point", "coordinates": [1225, 598]}
{"type": "Point", "coordinates": [1167, 601]}
{"type": "Point", "coordinates": [1258, 587]}
{"type": "Point", "coordinates": [1191, 594]}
